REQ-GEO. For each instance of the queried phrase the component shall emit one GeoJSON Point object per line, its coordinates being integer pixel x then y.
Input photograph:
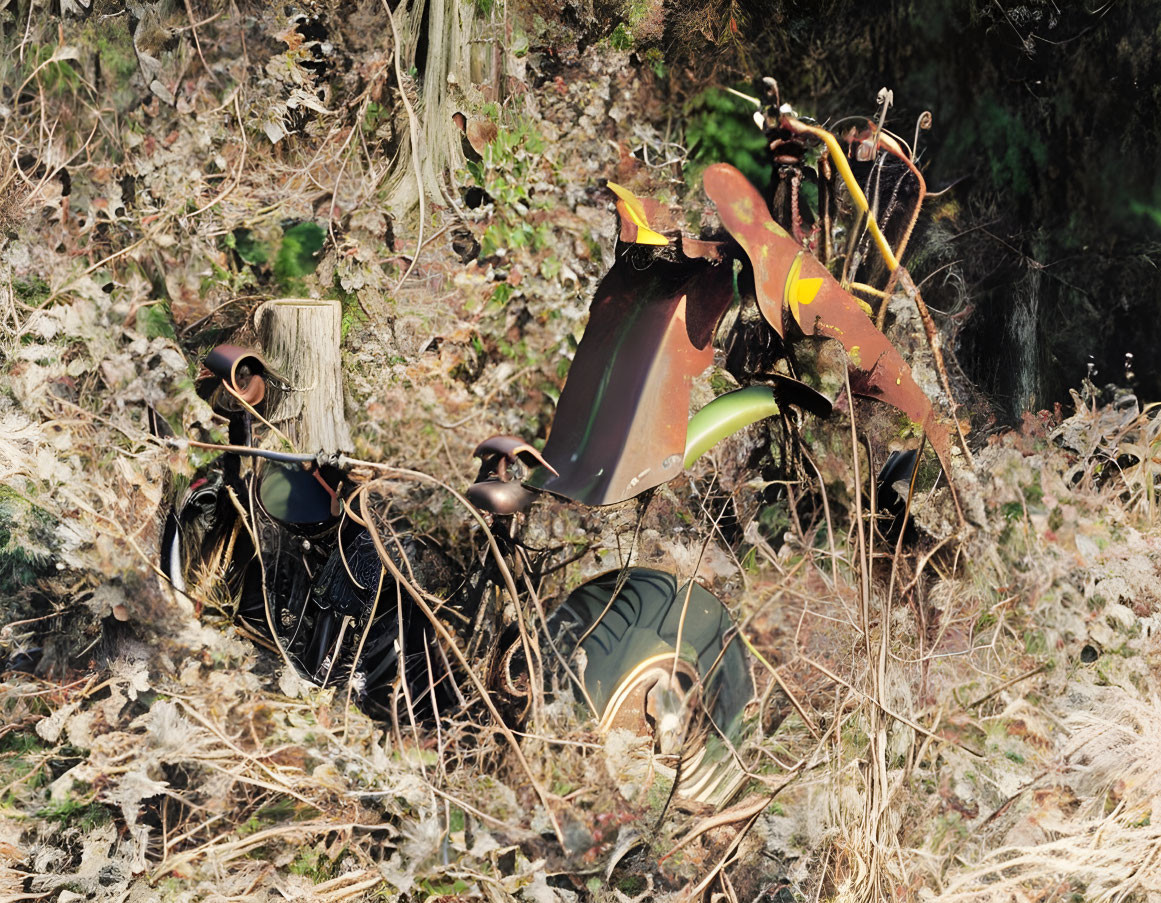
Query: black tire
{"type": "Point", "coordinates": [628, 643]}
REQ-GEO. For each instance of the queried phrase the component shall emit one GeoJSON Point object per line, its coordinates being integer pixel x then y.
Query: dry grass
{"type": "Point", "coordinates": [928, 726]}
{"type": "Point", "coordinates": [946, 733]}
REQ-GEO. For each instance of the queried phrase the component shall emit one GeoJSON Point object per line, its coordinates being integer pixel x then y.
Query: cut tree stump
{"type": "Point", "coordinates": [300, 341]}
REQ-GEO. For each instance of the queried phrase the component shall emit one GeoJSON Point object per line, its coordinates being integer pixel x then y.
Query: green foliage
{"type": "Point", "coordinates": [520, 43]}
{"type": "Point", "coordinates": [74, 813]}
{"type": "Point", "coordinates": [249, 248]}
{"type": "Point", "coordinates": [655, 60]}
{"type": "Point", "coordinates": [154, 320]}
{"type": "Point", "coordinates": [1033, 493]}
{"type": "Point", "coordinates": [118, 60]}
{"type": "Point", "coordinates": [510, 161]}
{"type": "Point", "coordinates": [26, 541]}
{"type": "Point", "coordinates": [500, 296]}
{"type": "Point", "coordinates": [253, 253]}
{"type": "Point", "coordinates": [1014, 153]}
{"type": "Point", "coordinates": [352, 312]}
{"type": "Point", "coordinates": [521, 234]}
{"type": "Point", "coordinates": [774, 519]}
{"type": "Point", "coordinates": [636, 11]}
{"type": "Point", "coordinates": [279, 811]}
{"type": "Point", "coordinates": [640, 25]}
{"type": "Point", "coordinates": [510, 164]}
{"type": "Point", "coordinates": [22, 757]}
{"type": "Point", "coordinates": [444, 889]}
{"type": "Point", "coordinates": [375, 115]}
{"type": "Point", "coordinates": [296, 257]}
{"type": "Point", "coordinates": [21, 743]}
{"type": "Point", "coordinates": [1151, 213]}
{"type": "Point", "coordinates": [56, 75]}
{"type": "Point", "coordinates": [632, 885]}
{"type": "Point", "coordinates": [550, 267]}
{"type": "Point", "coordinates": [234, 282]}
{"type": "Point", "coordinates": [1035, 642]}
{"type": "Point", "coordinates": [34, 291]}
{"type": "Point", "coordinates": [621, 38]}
{"type": "Point", "coordinates": [719, 128]}
{"type": "Point", "coordinates": [316, 866]}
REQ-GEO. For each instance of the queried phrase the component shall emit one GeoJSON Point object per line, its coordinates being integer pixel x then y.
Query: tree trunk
{"type": "Point", "coordinates": [449, 49]}
{"type": "Point", "coordinates": [300, 340]}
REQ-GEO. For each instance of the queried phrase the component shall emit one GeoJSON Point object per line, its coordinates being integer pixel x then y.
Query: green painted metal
{"type": "Point", "coordinates": [294, 496]}
{"type": "Point", "coordinates": [629, 624]}
{"type": "Point", "coordinates": [724, 416]}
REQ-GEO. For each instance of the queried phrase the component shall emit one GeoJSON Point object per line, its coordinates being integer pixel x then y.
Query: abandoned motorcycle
{"type": "Point", "coordinates": [332, 586]}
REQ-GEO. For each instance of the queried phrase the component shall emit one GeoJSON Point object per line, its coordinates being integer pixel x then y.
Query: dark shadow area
{"type": "Point", "coordinates": [1046, 119]}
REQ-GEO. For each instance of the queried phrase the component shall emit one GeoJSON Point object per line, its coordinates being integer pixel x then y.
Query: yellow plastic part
{"type": "Point", "coordinates": [630, 206]}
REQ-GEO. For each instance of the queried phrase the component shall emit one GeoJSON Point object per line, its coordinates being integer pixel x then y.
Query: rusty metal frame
{"type": "Point", "coordinates": [620, 424]}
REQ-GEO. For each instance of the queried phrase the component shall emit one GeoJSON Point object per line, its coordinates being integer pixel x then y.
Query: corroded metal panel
{"type": "Point", "coordinates": [620, 424]}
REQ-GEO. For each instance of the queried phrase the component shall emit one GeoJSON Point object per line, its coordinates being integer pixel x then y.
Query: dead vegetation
{"type": "Point", "coordinates": [969, 717]}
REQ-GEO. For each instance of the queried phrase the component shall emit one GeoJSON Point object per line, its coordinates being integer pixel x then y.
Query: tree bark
{"type": "Point", "coordinates": [300, 340]}
{"type": "Point", "coordinates": [448, 65]}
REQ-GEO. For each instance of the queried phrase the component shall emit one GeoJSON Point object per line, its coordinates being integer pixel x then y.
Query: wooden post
{"type": "Point", "coordinates": [300, 341]}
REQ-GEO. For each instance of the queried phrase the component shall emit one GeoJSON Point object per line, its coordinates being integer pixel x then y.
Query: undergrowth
{"type": "Point", "coordinates": [969, 717]}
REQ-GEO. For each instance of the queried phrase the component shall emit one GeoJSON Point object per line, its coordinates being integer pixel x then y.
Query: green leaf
{"type": "Point", "coordinates": [156, 320]}
{"type": "Point", "coordinates": [500, 296]}
{"type": "Point", "coordinates": [248, 248]}
{"type": "Point", "coordinates": [495, 237]}
{"type": "Point", "coordinates": [550, 267]}
{"type": "Point", "coordinates": [296, 256]}
{"type": "Point", "coordinates": [373, 117]}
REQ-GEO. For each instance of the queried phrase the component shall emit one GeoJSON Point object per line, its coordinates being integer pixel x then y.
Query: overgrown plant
{"type": "Point", "coordinates": [507, 175]}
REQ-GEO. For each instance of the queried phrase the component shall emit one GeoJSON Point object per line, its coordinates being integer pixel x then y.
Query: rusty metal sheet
{"type": "Point", "coordinates": [642, 219]}
{"type": "Point", "coordinates": [707, 250]}
{"type": "Point", "coordinates": [242, 369]}
{"type": "Point", "coordinates": [497, 489]}
{"type": "Point", "coordinates": [747, 219]}
{"type": "Point", "coordinates": [788, 277]}
{"type": "Point", "coordinates": [496, 453]}
{"type": "Point", "coordinates": [650, 222]}
{"type": "Point", "coordinates": [503, 497]}
{"type": "Point", "coordinates": [621, 420]}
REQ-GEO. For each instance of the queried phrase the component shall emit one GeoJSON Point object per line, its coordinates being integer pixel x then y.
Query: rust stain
{"type": "Point", "coordinates": [784, 275]}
